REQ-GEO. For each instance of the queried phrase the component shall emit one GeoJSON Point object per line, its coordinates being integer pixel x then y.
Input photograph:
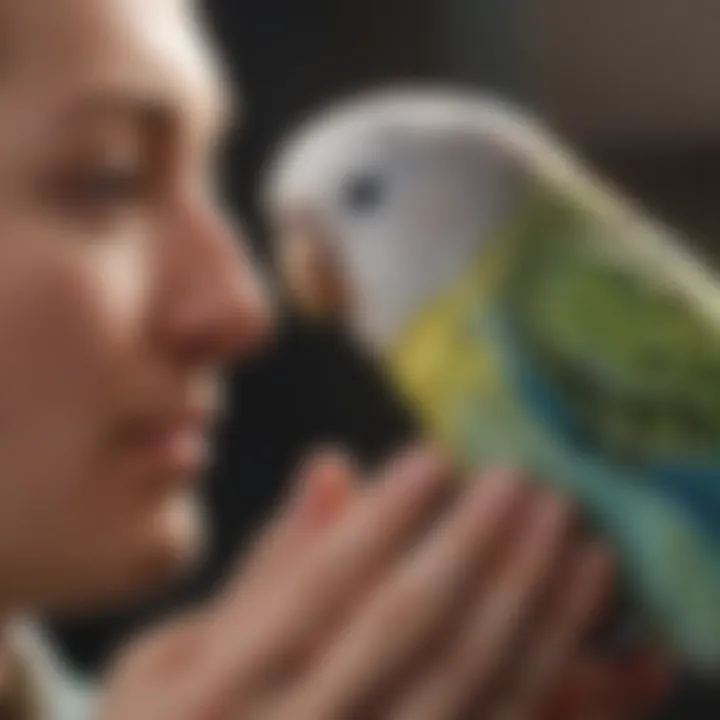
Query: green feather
{"type": "Point", "coordinates": [634, 360]}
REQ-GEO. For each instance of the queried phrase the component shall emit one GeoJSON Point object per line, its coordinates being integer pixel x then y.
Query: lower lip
{"type": "Point", "coordinates": [181, 450]}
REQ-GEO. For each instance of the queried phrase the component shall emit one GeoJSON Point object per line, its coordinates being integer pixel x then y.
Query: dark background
{"type": "Point", "coordinates": [290, 56]}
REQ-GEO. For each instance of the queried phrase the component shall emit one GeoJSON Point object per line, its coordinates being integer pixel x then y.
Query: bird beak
{"type": "Point", "coordinates": [309, 268]}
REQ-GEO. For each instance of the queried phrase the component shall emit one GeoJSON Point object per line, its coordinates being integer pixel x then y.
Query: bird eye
{"type": "Point", "coordinates": [363, 194]}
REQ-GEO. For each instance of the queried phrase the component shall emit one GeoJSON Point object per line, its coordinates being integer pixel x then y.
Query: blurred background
{"type": "Point", "coordinates": [633, 83]}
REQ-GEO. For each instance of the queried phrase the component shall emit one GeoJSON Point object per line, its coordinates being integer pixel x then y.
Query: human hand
{"type": "Point", "coordinates": [382, 601]}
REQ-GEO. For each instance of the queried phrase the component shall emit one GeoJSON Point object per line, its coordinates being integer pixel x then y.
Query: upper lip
{"type": "Point", "coordinates": [185, 420]}
{"type": "Point", "coordinates": [195, 420]}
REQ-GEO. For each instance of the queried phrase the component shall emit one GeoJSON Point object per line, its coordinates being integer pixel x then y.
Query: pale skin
{"type": "Point", "coordinates": [124, 294]}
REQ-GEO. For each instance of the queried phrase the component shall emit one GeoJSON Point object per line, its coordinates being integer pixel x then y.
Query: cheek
{"type": "Point", "coordinates": [68, 318]}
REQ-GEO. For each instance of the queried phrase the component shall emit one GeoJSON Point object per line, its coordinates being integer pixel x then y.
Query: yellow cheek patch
{"type": "Point", "coordinates": [440, 357]}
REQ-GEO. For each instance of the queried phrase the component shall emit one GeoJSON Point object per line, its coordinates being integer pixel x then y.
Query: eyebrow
{"type": "Point", "coordinates": [167, 109]}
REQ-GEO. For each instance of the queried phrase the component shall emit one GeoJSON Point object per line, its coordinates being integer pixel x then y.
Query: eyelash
{"type": "Point", "coordinates": [100, 193]}
{"type": "Point", "coordinates": [108, 187]}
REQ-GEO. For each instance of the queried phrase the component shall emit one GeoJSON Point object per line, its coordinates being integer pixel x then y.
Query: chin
{"type": "Point", "coordinates": [154, 554]}
{"type": "Point", "coordinates": [175, 544]}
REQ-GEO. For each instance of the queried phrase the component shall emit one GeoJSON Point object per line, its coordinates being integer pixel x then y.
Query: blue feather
{"type": "Point", "coordinates": [536, 390]}
{"type": "Point", "coordinates": [693, 486]}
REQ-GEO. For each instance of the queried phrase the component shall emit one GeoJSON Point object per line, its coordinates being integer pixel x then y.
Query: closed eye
{"type": "Point", "coordinates": [101, 192]}
{"type": "Point", "coordinates": [107, 187]}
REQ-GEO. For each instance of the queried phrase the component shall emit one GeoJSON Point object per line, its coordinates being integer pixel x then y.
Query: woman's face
{"type": "Point", "coordinates": [123, 292]}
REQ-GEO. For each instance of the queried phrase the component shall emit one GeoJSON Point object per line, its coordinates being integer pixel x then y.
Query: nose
{"type": "Point", "coordinates": [215, 306]}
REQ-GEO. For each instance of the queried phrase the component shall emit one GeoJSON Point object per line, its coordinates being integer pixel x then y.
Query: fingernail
{"type": "Point", "coordinates": [422, 467]}
{"type": "Point", "coordinates": [322, 470]}
{"type": "Point", "coordinates": [502, 488]}
{"type": "Point", "coordinates": [504, 481]}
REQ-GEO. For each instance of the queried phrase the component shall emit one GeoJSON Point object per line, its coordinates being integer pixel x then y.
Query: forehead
{"type": "Point", "coordinates": [109, 55]}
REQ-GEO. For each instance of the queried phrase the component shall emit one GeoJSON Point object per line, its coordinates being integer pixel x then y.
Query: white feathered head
{"type": "Point", "coordinates": [379, 201]}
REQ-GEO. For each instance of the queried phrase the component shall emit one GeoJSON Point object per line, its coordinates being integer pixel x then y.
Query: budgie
{"type": "Point", "coordinates": [526, 313]}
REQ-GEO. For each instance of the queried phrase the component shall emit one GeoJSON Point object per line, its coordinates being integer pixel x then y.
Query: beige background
{"type": "Point", "coordinates": [636, 85]}
{"type": "Point", "coordinates": [618, 71]}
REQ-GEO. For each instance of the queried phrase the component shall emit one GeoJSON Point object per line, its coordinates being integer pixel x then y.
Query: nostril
{"type": "Point", "coordinates": [228, 317]}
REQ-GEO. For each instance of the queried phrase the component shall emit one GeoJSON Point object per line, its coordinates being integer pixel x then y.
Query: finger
{"type": "Point", "coordinates": [482, 647]}
{"type": "Point", "coordinates": [162, 650]}
{"type": "Point", "coordinates": [407, 612]}
{"type": "Point", "coordinates": [286, 623]}
{"type": "Point", "coordinates": [326, 486]}
{"type": "Point", "coordinates": [575, 605]}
